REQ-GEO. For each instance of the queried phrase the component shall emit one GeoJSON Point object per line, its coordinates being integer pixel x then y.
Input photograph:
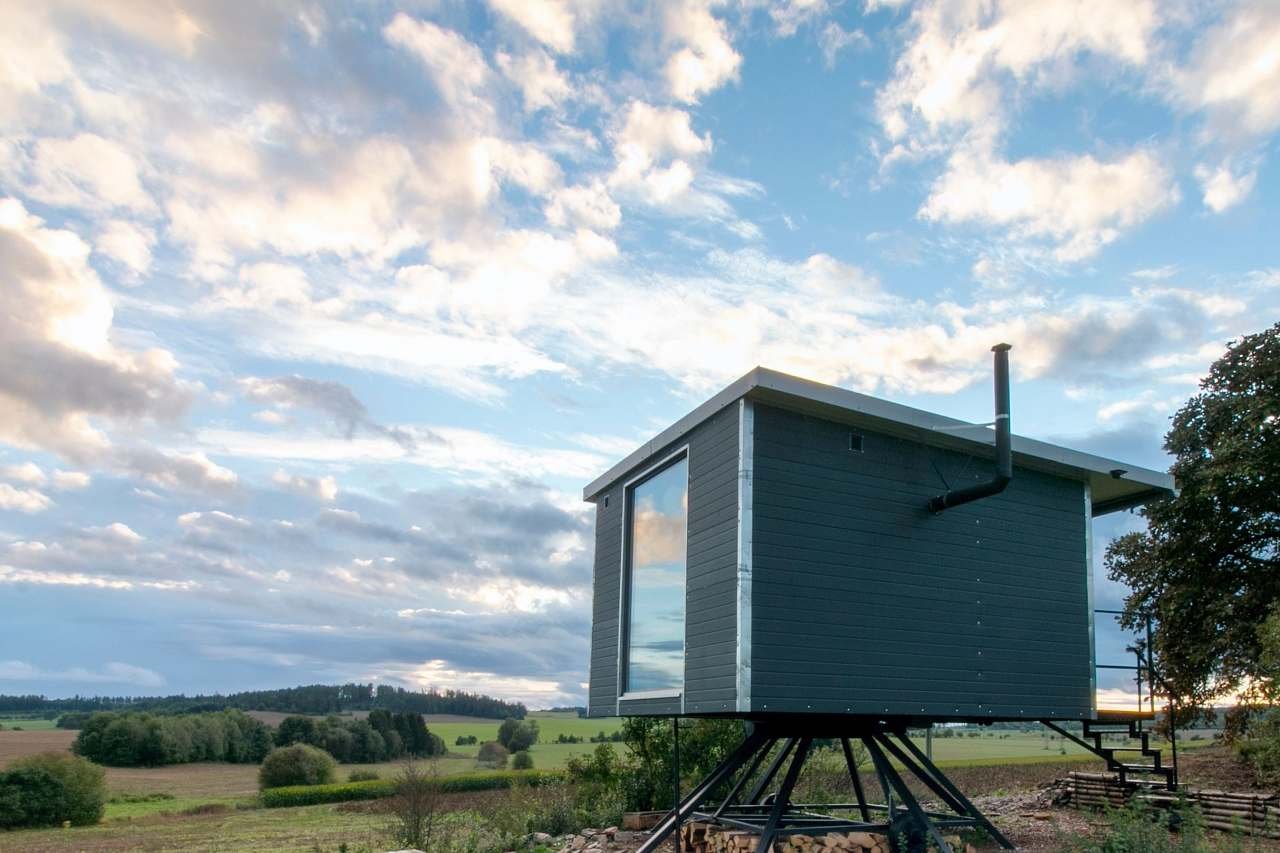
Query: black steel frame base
{"type": "Point", "coordinates": [909, 826]}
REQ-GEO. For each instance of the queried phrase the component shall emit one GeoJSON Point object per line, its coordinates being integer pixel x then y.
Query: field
{"type": "Point", "coordinates": [210, 806]}
{"type": "Point", "coordinates": [27, 724]}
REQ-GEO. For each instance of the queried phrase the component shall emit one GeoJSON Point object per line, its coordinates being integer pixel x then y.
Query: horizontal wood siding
{"type": "Point", "coordinates": [865, 602]}
{"type": "Point", "coordinates": [711, 591]}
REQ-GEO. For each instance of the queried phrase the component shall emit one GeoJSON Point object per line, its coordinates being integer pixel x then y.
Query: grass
{"type": "Point", "coordinates": [28, 724]}
{"type": "Point", "coordinates": [300, 830]}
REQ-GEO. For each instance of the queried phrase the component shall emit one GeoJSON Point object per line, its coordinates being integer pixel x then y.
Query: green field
{"type": "Point", "coordinates": [547, 754]}
{"type": "Point", "coordinates": [27, 724]}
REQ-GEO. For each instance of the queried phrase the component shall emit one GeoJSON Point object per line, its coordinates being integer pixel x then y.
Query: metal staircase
{"type": "Point", "coordinates": [1128, 762]}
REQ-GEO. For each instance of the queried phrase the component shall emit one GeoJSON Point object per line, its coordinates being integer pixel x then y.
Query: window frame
{"type": "Point", "coordinates": [624, 581]}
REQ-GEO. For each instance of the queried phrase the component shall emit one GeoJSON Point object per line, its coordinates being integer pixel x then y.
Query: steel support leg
{"type": "Point", "coordinates": [969, 807]}
{"type": "Point", "coordinates": [857, 782]}
{"type": "Point", "coordinates": [758, 789]}
{"type": "Point", "coordinates": [746, 777]}
{"type": "Point", "coordinates": [695, 797]}
{"type": "Point", "coordinates": [918, 817]}
{"type": "Point", "coordinates": [783, 798]}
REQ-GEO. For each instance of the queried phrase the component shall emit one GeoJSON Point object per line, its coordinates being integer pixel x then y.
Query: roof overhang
{"type": "Point", "coordinates": [1113, 485]}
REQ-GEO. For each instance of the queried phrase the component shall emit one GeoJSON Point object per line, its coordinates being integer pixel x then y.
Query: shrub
{"type": "Point", "coordinates": [492, 754]}
{"type": "Point", "coordinates": [298, 764]}
{"type": "Point", "coordinates": [522, 760]}
{"type": "Point", "coordinates": [83, 782]}
{"type": "Point", "coordinates": [362, 776]}
{"type": "Point", "coordinates": [310, 795]}
{"type": "Point", "coordinates": [31, 796]}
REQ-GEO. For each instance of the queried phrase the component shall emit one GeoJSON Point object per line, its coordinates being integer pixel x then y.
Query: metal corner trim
{"type": "Point", "coordinates": [746, 456]}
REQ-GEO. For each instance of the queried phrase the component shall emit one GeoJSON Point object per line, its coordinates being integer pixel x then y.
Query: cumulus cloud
{"type": "Point", "coordinates": [1078, 204]}
{"type": "Point", "coordinates": [1233, 75]}
{"type": "Point", "coordinates": [23, 500]}
{"type": "Point", "coordinates": [552, 22]}
{"type": "Point", "coordinates": [319, 488]}
{"type": "Point", "coordinates": [704, 57]}
{"type": "Point", "coordinates": [1223, 188]}
{"type": "Point", "coordinates": [60, 316]}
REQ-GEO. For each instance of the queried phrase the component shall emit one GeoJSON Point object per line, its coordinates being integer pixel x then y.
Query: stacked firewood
{"type": "Point", "coordinates": [709, 838]}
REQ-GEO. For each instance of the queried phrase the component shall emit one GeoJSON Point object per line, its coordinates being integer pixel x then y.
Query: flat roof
{"type": "Point", "coordinates": [1114, 485]}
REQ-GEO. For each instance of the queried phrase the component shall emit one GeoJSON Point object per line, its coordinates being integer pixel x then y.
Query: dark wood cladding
{"type": "Point", "coordinates": [711, 577]}
{"type": "Point", "coordinates": [865, 602]}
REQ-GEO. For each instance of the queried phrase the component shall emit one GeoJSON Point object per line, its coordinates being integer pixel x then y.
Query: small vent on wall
{"type": "Point", "coordinates": [855, 442]}
{"type": "Point", "coordinates": [606, 501]}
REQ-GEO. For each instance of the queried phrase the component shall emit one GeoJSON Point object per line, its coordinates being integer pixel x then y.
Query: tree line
{"type": "Point", "coordinates": [306, 699]}
{"type": "Point", "coordinates": [140, 739]}
{"type": "Point", "coordinates": [133, 739]}
{"type": "Point", "coordinates": [384, 736]}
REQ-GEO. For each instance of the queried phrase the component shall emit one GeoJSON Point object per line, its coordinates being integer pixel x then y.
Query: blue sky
{"type": "Point", "coordinates": [317, 317]}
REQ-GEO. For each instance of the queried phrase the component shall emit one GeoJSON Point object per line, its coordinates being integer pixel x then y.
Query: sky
{"type": "Point", "coordinates": [317, 317]}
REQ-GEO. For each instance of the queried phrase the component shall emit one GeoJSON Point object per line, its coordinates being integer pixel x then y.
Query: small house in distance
{"type": "Point", "coordinates": [780, 551]}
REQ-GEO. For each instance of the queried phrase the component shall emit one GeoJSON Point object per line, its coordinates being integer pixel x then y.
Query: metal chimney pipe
{"type": "Point", "coordinates": [1004, 444]}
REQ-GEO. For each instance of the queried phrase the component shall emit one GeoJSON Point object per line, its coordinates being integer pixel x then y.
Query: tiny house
{"type": "Point", "coordinates": [779, 551]}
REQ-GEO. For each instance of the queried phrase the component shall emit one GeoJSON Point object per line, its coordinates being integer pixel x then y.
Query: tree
{"type": "Point", "coordinates": [522, 760]}
{"type": "Point", "coordinates": [296, 730]}
{"type": "Point", "coordinates": [517, 735]}
{"type": "Point", "coordinates": [1206, 567]}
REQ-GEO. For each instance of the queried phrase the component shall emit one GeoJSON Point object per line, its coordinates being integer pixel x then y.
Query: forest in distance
{"type": "Point", "coordinates": [306, 699]}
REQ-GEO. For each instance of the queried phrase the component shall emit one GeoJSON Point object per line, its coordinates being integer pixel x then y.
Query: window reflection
{"type": "Point", "coordinates": [659, 513]}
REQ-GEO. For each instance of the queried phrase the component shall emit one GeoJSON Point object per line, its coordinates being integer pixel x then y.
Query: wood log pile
{"type": "Point", "coordinates": [1250, 813]}
{"type": "Point", "coordinates": [709, 838]}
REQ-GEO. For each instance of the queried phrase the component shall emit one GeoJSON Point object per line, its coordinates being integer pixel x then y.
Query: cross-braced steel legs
{"type": "Point", "coordinates": [901, 816]}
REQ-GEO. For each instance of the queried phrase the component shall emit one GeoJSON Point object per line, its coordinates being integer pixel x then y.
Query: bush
{"type": "Point", "coordinates": [310, 795]}
{"type": "Point", "coordinates": [492, 754]}
{"type": "Point", "coordinates": [522, 760]}
{"type": "Point", "coordinates": [466, 740]}
{"type": "Point", "coordinates": [83, 783]}
{"type": "Point", "coordinates": [362, 776]}
{"type": "Point", "coordinates": [31, 797]}
{"type": "Point", "coordinates": [298, 764]}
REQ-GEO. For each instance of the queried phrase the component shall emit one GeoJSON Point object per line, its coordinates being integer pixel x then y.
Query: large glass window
{"type": "Point", "coordinates": [655, 625]}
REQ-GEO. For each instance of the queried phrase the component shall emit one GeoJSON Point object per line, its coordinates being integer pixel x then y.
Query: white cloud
{"type": "Point", "coordinates": [23, 500]}
{"type": "Point", "coordinates": [954, 71]}
{"type": "Point", "coordinates": [114, 672]}
{"type": "Point", "coordinates": [60, 316]}
{"type": "Point", "coordinates": [1155, 273]}
{"type": "Point", "coordinates": [128, 243]}
{"type": "Point", "coordinates": [319, 488]}
{"type": "Point", "coordinates": [1222, 187]}
{"type": "Point", "coordinates": [71, 481]}
{"type": "Point", "coordinates": [551, 22]}
{"type": "Point", "coordinates": [1234, 72]}
{"type": "Point", "coordinates": [655, 149]}
{"type": "Point", "coordinates": [193, 472]}
{"type": "Point", "coordinates": [117, 534]}
{"type": "Point", "coordinates": [86, 171]}
{"type": "Point", "coordinates": [27, 472]}
{"type": "Point", "coordinates": [705, 58]}
{"type": "Point", "coordinates": [541, 83]}
{"type": "Point", "coordinates": [1076, 203]}
{"type": "Point", "coordinates": [457, 67]}
{"type": "Point", "coordinates": [835, 38]}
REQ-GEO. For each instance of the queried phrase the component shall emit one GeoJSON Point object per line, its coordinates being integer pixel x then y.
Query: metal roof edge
{"type": "Point", "coordinates": [725, 397]}
{"type": "Point", "coordinates": [761, 379]}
